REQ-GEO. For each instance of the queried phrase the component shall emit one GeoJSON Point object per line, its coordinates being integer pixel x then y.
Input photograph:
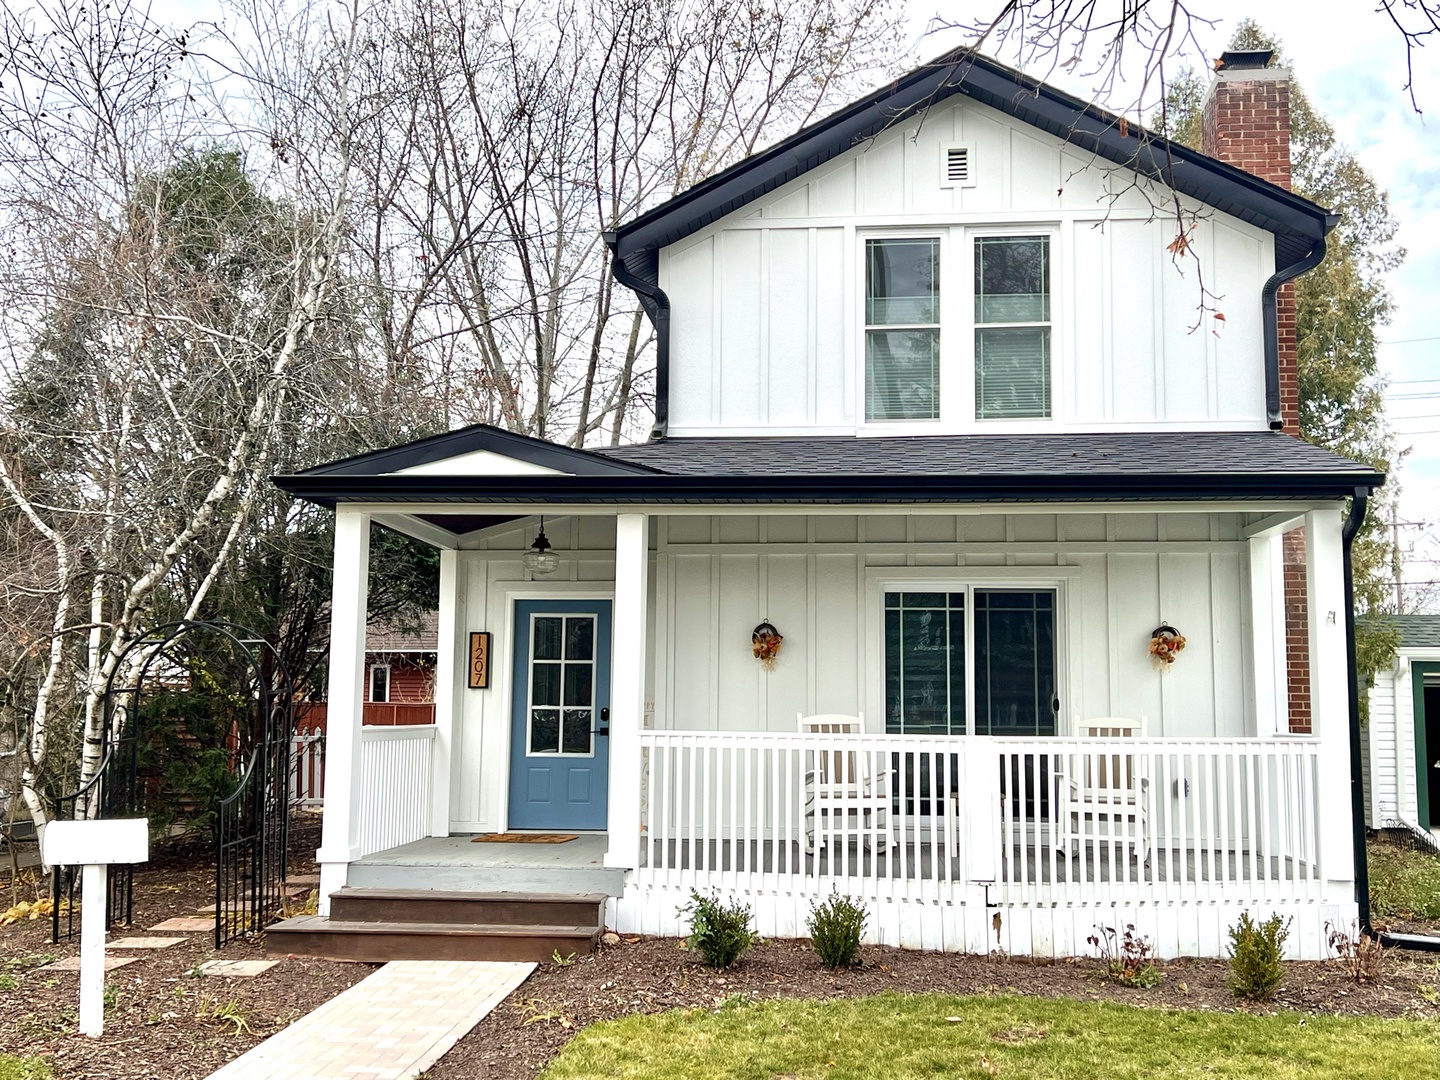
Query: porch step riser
{"type": "Point", "coordinates": [380, 947]}
{"type": "Point", "coordinates": [492, 910]}
{"type": "Point", "coordinates": [488, 879]}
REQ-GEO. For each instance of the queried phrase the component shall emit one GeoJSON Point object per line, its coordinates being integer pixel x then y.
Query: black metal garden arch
{"type": "Point", "coordinates": [250, 825]}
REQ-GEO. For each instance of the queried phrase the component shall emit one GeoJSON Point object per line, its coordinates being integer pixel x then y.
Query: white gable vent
{"type": "Point", "coordinates": [957, 167]}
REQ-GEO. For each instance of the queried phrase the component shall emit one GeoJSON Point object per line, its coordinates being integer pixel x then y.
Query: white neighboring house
{"type": "Point", "coordinates": [930, 406]}
{"type": "Point", "coordinates": [1402, 739]}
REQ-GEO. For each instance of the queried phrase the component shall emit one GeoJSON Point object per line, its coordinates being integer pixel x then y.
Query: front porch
{"type": "Point", "coordinates": [1023, 838]}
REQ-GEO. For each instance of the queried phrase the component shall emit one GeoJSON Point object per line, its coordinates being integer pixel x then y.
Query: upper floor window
{"type": "Point", "coordinates": [1012, 327]}
{"type": "Point", "coordinates": [902, 329]}
{"type": "Point", "coordinates": [380, 682]}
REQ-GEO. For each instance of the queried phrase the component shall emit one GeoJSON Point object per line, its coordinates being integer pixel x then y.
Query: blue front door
{"type": "Point", "coordinates": [559, 717]}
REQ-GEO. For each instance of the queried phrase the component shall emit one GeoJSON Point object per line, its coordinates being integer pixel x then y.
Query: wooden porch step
{"type": "Point", "coordinates": [457, 908]}
{"type": "Point", "coordinates": [380, 942]}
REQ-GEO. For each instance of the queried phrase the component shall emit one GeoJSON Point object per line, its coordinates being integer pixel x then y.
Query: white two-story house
{"type": "Point", "coordinates": [952, 447]}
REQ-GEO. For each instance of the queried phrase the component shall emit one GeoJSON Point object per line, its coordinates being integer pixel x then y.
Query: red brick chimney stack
{"type": "Point", "coordinates": [1245, 122]}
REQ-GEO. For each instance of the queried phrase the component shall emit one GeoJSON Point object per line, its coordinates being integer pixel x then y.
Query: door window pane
{"type": "Point", "coordinates": [545, 638]}
{"type": "Point", "coordinates": [902, 329]}
{"type": "Point", "coordinates": [1014, 662]}
{"type": "Point", "coordinates": [579, 680]}
{"type": "Point", "coordinates": [925, 663]}
{"type": "Point", "coordinates": [1012, 332]}
{"type": "Point", "coordinates": [577, 732]}
{"type": "Point", "coordinates": [580, 638]}
{"type": "Point", "coordinates": [544, 731]}
{"type": "Point", "coordinates": [545, 684]}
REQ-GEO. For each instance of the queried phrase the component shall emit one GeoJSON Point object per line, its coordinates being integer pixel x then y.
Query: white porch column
{"type": "Point", "coordinates": [1267, 633]}
{"type": "Point", "coordinates": [340, 835]}
{"type": "Point", "coordinates": [1330, 692]}
{"type": "Point", "coordinates": [627, 687]}
{"type": "Point", "coordinates": [451, 668]}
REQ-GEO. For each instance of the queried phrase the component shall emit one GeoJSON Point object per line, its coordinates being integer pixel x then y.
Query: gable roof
{"type": "Point", "coordinates": [466, 440]}
{"type": "Point", "coordinates": [1296, 223]}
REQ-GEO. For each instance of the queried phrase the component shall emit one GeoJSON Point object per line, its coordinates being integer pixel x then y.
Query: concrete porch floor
{"type": "Point", "coordinates": [456, 862]}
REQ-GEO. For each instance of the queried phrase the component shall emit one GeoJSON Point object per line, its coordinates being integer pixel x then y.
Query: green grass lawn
{"type": "Point", "coordinates": [23, 1068]}
{"type": "Point", "coordinates": [903, 1036]}
{"type": "Point", "coordinates": [1403, 882]}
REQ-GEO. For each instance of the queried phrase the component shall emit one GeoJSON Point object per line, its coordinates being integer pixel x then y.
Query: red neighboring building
{"type": "Point", "coordinates": [399, 677]}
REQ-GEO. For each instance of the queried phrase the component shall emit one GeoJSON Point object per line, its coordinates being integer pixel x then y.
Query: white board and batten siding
{"type": "Point", "coordinates": [819, 579]}
{"type": "Point", "coordinates": [767, 302]}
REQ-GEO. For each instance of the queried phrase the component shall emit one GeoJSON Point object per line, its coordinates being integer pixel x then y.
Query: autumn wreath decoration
{"type": "Point", "coordinates": [765, 643]}
{"type": "Point", "coordinates": [1166, 643]}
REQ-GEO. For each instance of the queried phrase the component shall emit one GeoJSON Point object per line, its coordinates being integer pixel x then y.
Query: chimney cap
{"type": "Point", "coordinates": [1245, 59]}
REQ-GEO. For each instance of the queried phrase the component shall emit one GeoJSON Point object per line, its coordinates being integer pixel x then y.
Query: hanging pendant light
{"type": "Point", "coordinates": [540, 560]}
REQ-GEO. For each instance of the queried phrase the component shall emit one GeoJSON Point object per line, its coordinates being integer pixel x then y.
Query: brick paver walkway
{"type": "Point", "coordinates": [391, 1026]}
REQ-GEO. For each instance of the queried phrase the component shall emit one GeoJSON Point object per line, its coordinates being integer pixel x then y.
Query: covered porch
{"type": "Point", "coordinates": [1004, 765]}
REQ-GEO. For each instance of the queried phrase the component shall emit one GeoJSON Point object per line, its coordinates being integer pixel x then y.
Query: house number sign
{"type": "Point", "coordinates": [480, 660]}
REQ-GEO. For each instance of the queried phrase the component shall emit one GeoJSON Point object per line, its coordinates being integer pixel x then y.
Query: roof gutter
{"type": "Point", "coordinates": [1269, 293]}
{"type": "Point", "coordinates": [658, 309]}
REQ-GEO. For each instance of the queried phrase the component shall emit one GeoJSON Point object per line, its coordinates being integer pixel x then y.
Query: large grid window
{"type": "Point", "coordinates": [1012, 327]}
{"type": "Point", "coordinates": [902, 329]}
{"type": "Point", "coordinates": [1010, 662]}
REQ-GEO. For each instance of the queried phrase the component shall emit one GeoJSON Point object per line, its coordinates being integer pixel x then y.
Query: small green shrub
{"type": "Point", "coordinates": [1255, 952]}
{"type": "Point", "coordinates": [720, 933]}
{"type": "Point", "coordinates": [836, 927]}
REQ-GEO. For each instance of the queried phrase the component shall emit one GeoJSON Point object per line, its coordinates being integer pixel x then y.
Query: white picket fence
{"type": "Point", "coordinates": [307, 770]}
{"type": "Point", "coordinates": [980, 820]}
{"type": "Point", "coordinates": [395, 765]}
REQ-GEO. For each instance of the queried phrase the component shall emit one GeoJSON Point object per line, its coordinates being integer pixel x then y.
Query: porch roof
{"type": "Point", "coordinates": [1056, 467]}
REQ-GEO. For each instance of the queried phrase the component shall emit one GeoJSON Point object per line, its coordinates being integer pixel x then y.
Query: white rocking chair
{"type": "Point", "coordinates": [842, 785]}
{"type": "Point", "coordinates": [1108, 790]}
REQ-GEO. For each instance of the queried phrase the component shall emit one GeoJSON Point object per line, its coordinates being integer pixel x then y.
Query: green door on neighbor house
{"type": "Point", "coordinates": [1425, 684]}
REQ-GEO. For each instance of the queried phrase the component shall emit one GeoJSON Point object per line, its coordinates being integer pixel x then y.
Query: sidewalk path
{"type": "Point", "coordinates": [391, 1026]}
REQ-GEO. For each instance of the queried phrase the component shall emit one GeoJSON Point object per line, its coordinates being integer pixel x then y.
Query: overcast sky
{"type": "Point", "coordinates": [1352, 63]}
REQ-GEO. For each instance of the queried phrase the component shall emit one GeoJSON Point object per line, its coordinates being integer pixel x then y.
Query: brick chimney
{"type": "Point", "coordinates": [1245, 122]}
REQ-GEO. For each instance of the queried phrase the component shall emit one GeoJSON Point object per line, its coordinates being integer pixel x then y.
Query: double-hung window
{"type": "Point", "coordinates": [902, 329]}
{"type": "Point", "coordinates": [1012, 327]}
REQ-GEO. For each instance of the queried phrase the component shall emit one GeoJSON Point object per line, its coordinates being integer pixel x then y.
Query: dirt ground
{"type": "Point", "coordinates": [162, 1020]}
{"type": "Point", "coordinates": [653, 975]}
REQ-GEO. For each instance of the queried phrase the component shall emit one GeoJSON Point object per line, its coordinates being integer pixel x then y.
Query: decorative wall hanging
{"type": "Point", "coordinates": [480, 660]}
{"type": "Point", "coordinates": [1166, 643]}
{"type": "Point", "coordinates": [765, 643]}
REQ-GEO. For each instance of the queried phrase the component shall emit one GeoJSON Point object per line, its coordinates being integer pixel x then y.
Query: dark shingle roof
{"type": "Point", "coordinates": [1417, 631]}
{"type": "Point", "coordinates": [1156, 454]}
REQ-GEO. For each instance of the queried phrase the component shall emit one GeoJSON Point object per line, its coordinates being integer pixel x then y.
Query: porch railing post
{"type": "Point", "coordinates": [450, 668]}
{"type": "Point", "coordinates": [1329, 694]}
{"type": "Point", "coordinates": [340, 835]}
{"type": "Point", "coordinates": [627, 687]}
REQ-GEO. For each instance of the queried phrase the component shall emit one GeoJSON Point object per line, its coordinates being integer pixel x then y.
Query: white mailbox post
{"type": "Point", "coordinates": [94, 845]}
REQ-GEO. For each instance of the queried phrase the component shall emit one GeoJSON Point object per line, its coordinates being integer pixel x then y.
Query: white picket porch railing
{"type": "Point", "coordinates": [395, 769]}
{"type": "Point", "coordinates": [1018, 821]}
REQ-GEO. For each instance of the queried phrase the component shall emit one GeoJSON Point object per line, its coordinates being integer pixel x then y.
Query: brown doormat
{"type": "Point", "coordinates": [521, 838]}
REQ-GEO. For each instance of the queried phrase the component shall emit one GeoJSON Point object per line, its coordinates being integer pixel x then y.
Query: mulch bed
{"type": "Point", "coordinates": [652, 975]}
{"type": "Point", "coordinates": [163, 1022]}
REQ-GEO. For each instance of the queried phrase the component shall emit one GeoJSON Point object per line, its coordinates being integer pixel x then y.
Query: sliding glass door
{"type": "Point", "coordinates": [995, 645]}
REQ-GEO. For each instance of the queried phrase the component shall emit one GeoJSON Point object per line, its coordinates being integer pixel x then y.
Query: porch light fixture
{"type": "Point", "coordinates": [540, 560]}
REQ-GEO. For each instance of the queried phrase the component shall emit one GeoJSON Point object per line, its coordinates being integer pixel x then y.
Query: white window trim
{"type": "Point", "coordinates": [957, 331]}
{"type": "Point", "coordinates": [370, 687]}
{"type": "Point", "coordinates": [880, 580]}
{"type": "Point", "coordinates": [530, 683]}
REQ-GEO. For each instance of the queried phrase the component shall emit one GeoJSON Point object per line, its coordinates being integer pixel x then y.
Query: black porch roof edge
{"type": "Point", "coordinates": [661, 489]}
{"type": "Point", "coordinates": [470, 439]}
{"type": "Point", "coordinates": [1296, 222]}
